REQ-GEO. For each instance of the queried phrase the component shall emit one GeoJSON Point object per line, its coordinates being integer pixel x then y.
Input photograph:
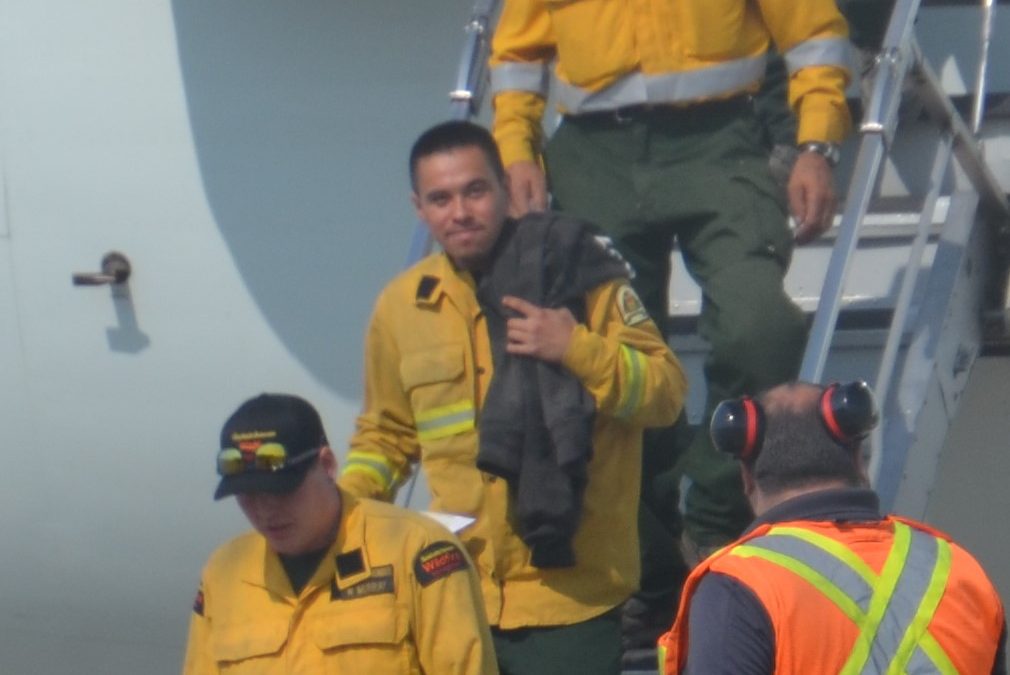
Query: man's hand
{"type": "Point", "coordinates": [539, 332]}
{"type": "Point", "coordinates": [527, 188]}
{"type": "Point", "coordinates": [812, 198]}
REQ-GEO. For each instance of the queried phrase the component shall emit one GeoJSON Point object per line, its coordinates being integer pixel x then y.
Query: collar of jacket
{"type": "Point", "coordinates": [440, 278]}
{"type": "Point", "coordinates": [266, 571]}
{"type": "Point", "coordinates": [839, 505]}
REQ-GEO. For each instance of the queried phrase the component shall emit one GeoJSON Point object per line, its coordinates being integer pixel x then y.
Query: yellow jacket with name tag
{"type": "Point", "coordinates": [394, 594]}
{"type": "Point", "coordinates": [427, 371]}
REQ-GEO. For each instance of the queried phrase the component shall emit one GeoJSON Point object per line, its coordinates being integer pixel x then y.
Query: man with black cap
{"type": "Point", "coordinates": [327, 583]}
{"type": "Point", "coordinates": [821, 582]}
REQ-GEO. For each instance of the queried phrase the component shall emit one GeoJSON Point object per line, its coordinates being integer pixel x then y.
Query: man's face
{"type": "Point", "coordinates": [463, 202]}
{"type": "Point", "coordinates": [299, 522]}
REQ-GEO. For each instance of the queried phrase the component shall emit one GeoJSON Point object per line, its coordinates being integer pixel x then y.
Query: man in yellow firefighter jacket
{"type": "Point", "coordinates": [821, 582]}
{"type": "Point", "coordinates": [524, 336]}
{"type": "Point", "coordinates": [327, 583]}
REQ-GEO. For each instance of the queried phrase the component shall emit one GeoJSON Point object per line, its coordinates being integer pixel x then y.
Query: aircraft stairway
{"type": "Point", "coordinates": [909, 287]}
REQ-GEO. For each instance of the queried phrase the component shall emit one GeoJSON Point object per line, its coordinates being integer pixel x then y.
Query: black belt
{"type": "Point", "coordinates": [646, 111]}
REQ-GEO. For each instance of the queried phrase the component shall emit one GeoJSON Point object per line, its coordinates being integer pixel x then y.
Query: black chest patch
{"type": "Point", "coordinates": [438, 560]}
{"type": "Point", "coordinates": [379, 582]}
{"type": "Point", "coordinates": [350, 563]}
{"type": "Point", "coordinates": [425, 287]}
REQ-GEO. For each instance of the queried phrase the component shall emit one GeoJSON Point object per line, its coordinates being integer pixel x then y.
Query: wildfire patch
{"type": "Point", "coordinates": [631, 308]}
{"type": "Point", "coordinates": [437, 561]}
{"type": "Point", "coordinates": [380, 581]}
{"type": "Point", "coordinates": [198, 603]}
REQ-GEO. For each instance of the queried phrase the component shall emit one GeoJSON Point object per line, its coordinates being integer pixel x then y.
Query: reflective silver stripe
{"type": "Point", "coordinates": [637, 88]}
{"type": "Point", "coordinates": [905, 601]}
{"type": "Point", "coordinates": [531, 77]}
{"type": "Point", "coordinates": [920, 664]}
{"type": "Point", "coordinates": [823, 562]}
{"type": "Point", "coordinates": [820, 52]}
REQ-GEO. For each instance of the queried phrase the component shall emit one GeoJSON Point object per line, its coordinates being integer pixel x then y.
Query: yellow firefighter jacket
{"type": "Point", "coordinates": [647, 52]}
{"type": "Point", "coordinates": [395, 594]}
{"type": "Point", "coordinates": [427, 370]}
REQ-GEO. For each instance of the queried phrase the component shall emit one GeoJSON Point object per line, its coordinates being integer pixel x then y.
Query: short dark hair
{"type": "Point", "coordinates": [798, 452]}
{"type": "Point", "coordinates": [450, 136]}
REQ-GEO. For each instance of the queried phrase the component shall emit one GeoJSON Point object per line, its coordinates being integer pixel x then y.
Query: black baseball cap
{"type": "Point", "coordinates": [292, 429]}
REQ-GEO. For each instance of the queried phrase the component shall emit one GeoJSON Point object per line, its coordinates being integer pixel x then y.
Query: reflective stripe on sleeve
{"type": "Point", "coordinates": [820, 52]}
{"type": "Point", "coordinates": [447, 420]}
{"type": "Point", "coordinates": [892, 610]}
{"type": "Point", "coordinates": [681, 87]}
{"type": "Point", "coordinates": [531, 77]}
{"type": "Point", "coordinates": [633, 383]}
{"type": "Point", "coordinates": [375, 465]}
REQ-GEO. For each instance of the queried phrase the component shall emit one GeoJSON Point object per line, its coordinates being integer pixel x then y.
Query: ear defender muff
{"type": "Point", "coordinates": [738, 427]}
{"type": "Point", "coordinates": [848, 411]}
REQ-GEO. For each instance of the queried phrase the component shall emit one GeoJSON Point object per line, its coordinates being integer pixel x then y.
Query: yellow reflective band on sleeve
{"type": "Point", "coordinates": [917, 633]}
{"type": "Point", "coordinates": [447, 420]}
{"type": "Point", "coordinates": [374, 465]}
{"type": "Point", "coordinates": [661, 657]}
{"type": "Point", "coordinates": [634, 382]}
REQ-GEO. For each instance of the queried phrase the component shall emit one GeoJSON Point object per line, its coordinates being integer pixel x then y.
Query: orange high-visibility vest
{"type": "Point", "coordinates": [894, 596]}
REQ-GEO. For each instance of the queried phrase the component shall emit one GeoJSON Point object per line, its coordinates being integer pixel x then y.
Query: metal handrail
{"type": "Point", "coordinates": [878, 127]}
{"type": "Point", "coordinates": [465, 100]}
{"type": "Point", "coordinates": [901, 58]}
{"type": "Point", "coordinates": [978, 103]}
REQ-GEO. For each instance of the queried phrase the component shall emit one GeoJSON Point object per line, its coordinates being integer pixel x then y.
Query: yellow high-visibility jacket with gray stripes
{"type": "Point", "coordinates": [427, 371]}
{"type": "Point", "coordinates": [611, 54]}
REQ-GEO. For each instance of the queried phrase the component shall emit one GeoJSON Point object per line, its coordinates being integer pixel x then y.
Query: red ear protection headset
{"type": "Point", "coordinates": [847, 411]}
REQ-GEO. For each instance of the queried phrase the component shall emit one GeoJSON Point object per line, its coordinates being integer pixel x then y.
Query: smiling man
{"type": "Point", "coordinates": [519, 369]}
{"type": "Point", "coordinates": [326, 583]}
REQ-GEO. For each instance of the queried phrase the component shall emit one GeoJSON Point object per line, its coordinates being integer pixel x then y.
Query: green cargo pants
{"type": "Point", "coordinates": [590, 647]}
{"type": "Point", "coordinates": [698, 174]}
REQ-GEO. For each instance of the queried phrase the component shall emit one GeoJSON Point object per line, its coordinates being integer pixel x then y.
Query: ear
{"type": "Point", "coordinates": [328, 461]}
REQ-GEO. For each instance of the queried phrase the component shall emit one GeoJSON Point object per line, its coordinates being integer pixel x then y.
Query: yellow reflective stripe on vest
{"type": "Point", "coordinates": [883, 590]}
{"type": "Point", "coordinates": [447, 420]}
{"type": "Point", "coordinates": [661, 658]}
{"type": "Point", "coordinates": [833, 547]}
{"type": "Point", "coordinates": [374, 465]}
{"type": "Point", "coordinates": [917, 634]}
{"type": "Point", "coordinates": [633, 389]}
{"type": "Point", "coordinates": [893, 637]}
{"type": "Point", "coordinates": [808, 574]}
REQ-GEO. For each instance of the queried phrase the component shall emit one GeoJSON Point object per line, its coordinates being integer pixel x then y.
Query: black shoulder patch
{"type": "Point", "coordinates": [378, 582]}
{"type": "Point", "coordinates": [425, 287]}
{"type": "Point", "coordinates": [198, 603]}
{"type": "Point", "coordinates": [438, 560]}
{"type": "Point", "coordinates": [350, 563]}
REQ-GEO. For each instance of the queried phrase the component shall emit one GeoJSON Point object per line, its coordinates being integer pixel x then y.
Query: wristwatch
{"type": "Point", "coordinates": [829, 151]}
